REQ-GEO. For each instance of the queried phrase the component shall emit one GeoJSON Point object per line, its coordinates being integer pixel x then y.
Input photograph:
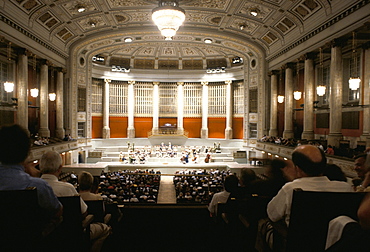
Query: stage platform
{"type": "Point", "coordinates": [164, 168]}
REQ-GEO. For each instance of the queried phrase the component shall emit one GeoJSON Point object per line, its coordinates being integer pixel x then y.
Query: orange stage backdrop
{"type": "Point", "coordinates": [97, 126]}
{"type": "Point", "coordinates": [142, 126]}
{"type": "Point", "coordinates": [118, 127]}
{"type": "Point", "coordinates": [238, 128]}
{"type": "Point", "coordinates": [216, 127]}
{"type": "Point", "coordinates": [193, 126]}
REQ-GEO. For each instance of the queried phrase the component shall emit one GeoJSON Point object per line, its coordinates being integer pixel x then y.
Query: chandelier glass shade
{"type": "Point", "coordinates": [280, 98]}
{"type": "Point", "coordinates": [52, 96]}
{"type": "Point", "coordinates": [168, 17]}
{"type": "Point", "coordinates": [354, 83]}
{"type": "Point", "coordinates": [34, 92]}
{"type": "Point", "coordinates": [297, 95]}
{"type": "Point", "coordinates": [320, 90]}
{"type": "Point", "coordinates": [8, 86]}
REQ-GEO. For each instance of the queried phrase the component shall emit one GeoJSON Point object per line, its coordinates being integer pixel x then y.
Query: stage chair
{"type": "Point", "coordinates": [311, 213]}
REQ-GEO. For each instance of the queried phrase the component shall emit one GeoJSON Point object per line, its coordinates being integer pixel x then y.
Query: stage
{"type": "Point", "coordinates": [165, 168]}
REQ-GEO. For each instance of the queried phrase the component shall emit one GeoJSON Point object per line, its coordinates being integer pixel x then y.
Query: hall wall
{"type": "Point", "coordinates": [238, 128]}
{"type": "Point", "coordinates": [118, 127]}
{"type": "Point", "coordinates": [97, 126]}
{"type": "Point", "coordinates": [193, 126]}
{"type": "Point", "coordinates": [216, 127]}
{"type": "Point", "coordinates": [142, 126]}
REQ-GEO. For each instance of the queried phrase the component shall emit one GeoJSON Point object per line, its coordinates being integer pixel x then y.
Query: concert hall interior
{"type": "Point", "coordinates": [173, 104]}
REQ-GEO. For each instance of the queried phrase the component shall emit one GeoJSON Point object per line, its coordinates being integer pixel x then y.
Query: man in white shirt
{"type": "Point", "coordinates": [309, 164]}
{"type": "Point", "coordinates": [230, 186]}
{"type": "Point", "coordinates": [51, 167]}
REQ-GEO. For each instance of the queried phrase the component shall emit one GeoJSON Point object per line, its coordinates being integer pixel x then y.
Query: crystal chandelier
{"type": "Point", "coordinates": [168, 16]}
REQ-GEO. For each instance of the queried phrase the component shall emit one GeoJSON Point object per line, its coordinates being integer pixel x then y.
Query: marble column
{"type": "Point", "coordinates": [44, 101]}
{"type": "Point", "coordinates": [155, 129]}
{"type": "Point", "coordinates": [288, 118]}
{"type": "Point", "coordinates": [204, 130]}
{"type": "Point", "coordinates": [273, 106]}
{"type": "Point", "coordinates": [229, 110]}
{"type": "Point", "coordinates": [59, 129]}
{"type": "Point", "coordinates": [309, 96]}
{"type": "Point", "coordinates": [22, 85]}
{"type": "Point", "coordinates": [336, 93]}
{"type": "Point", "coordinates": [131, 109]}
{"type": "Point", "coordinates": [180, 108]}
{"type": "Point", "coordinates": [106, 129]}
{"type": "Point", "coordinates": [366, 90]}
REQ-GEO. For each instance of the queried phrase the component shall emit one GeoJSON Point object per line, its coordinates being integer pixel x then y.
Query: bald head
{"type": "Point", "coordinates": [310, 151]}
{"type": "Point", "coordinates": [309, 159]}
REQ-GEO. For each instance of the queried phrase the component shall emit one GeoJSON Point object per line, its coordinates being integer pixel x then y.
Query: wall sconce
{"type": "Point", "coordinates": [280, 98]}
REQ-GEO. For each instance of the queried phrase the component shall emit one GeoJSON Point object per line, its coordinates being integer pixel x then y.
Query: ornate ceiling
{"type": "Point", "coordinates": [279, 26]}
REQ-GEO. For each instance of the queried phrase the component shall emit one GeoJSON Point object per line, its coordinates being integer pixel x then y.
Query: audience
{"type": "Point", "coordinates": [361, 171]}
{"type": "Point", "coordinates": [278, 173]}
{"type": "Point", "coordinates": [130, 186]}
{"type": "Point", "coordinates": [85, 183]}
{"type": "Point", "coordinates": [309, 164]}
{"type": "Point", "coordinates": [247, 177]}
{"type": "Point", "coordinates": [334, 172]}
{"type": "Point", "coordinates": [14, 149]}
{"type": "Point", "coordinates": [230, 190]}
{"type": "Point", "coordinates": [51, 166]}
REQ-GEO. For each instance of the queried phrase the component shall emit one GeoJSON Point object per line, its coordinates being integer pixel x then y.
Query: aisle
{"type": "Point", "coordinates": [167, 193]}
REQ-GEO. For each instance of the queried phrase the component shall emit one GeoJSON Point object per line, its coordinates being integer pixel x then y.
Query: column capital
{"type": "Point", "coordinates": [204, 83]}
{"type": "Point", "coordinates": [21, 51]}
{"type": "Point", "coordinates": [273, 72]}
{"type": "Point", "coordinates": [180, 83]}
{"type": "Point", "coordinates": [107, 80]}
{"type": "Point", "coordinates": [131, 82]}
{"type": "Point", "coordinates": [156, 83]}
{"type": "Point", "coordinates": [289, 65]}
{"type": "Point", "coordinates": [309, 56]}
{"type": "Point", "coordinates": [337, 42]}
{"type": "Point", "coordinates": [228, 82]}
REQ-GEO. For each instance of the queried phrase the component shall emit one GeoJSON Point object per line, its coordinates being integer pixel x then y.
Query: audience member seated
{"type": "Point", "coordinates": [247, 178]}
{"type": "Point", "coordinates": [14, 149]}
{"type": "Point", "coordinates": [51, 166]}
{"type": "Point", "coordinates": [361, 169]}
{"type": "Point", "coordinates": [278, 173]}
{"type": "Point", "coordinates": [334, 172]}
{"type": "Point", "coordinates": [85, 182]}
{"type": "Point", "coordinates": [329, 150]}
{"type": "Point", "coordinates": [230, 190]}
{"type": "Point", "coordinates": [310, 163]}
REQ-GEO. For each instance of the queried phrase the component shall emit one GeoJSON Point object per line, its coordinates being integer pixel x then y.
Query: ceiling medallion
{"type": "Point", "coordinates": [168, 17]}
